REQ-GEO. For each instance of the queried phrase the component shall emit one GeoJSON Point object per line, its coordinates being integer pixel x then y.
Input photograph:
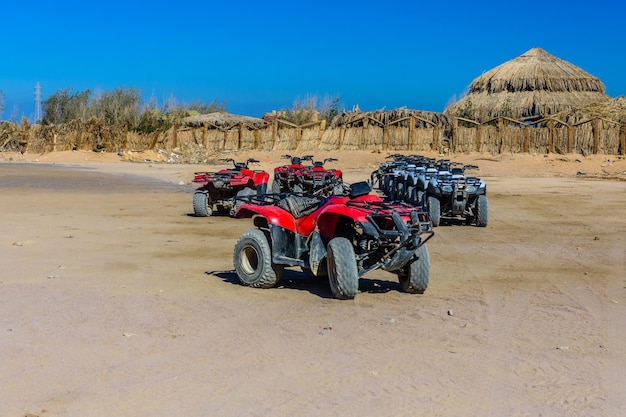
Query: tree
{"type": "Point", "coordinates": [120, 106]}
{"type": "Point", "coordinates": [63, 107]}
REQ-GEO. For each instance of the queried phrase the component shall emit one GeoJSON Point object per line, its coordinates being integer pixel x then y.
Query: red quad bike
{"type": "Point", "coordinates": [222, 187]}
{"type": "Point", "coordinates": [339, 237]}
{"type": "Point", "coordinates": [316, 178]}
{"type": "Point", "coordinates": [288, 178]}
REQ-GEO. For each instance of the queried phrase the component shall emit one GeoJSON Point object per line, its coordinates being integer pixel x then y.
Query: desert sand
{"type": "Point", "coordinates": [116, 301]}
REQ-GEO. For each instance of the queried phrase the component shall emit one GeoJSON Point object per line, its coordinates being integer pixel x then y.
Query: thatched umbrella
{"type": "Point", "coordinates": [531, 86]}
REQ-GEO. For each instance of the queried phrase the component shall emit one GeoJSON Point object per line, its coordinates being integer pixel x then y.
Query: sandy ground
{"type": "Point", "coordinates": [116, 301]}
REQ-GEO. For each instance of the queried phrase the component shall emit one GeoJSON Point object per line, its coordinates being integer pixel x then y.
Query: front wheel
{"type": "Point", "coordinates": [253, 260]}
{"type": "Point", "coordinates": [434, 210]}
{"type": "Point", "coordinates": [202, 205]}
{"type": "Point", "coordinates": [414, 277]}
{"type": "Point", "coordinates": [482, 211]}
{"type": "Point", "coordinates": [343, 274]}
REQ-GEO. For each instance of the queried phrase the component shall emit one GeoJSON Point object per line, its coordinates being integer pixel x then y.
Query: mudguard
{"type": "Point", "coordinates": [274, 215]}
{"type": "Point", "coordinates": [317, 252]}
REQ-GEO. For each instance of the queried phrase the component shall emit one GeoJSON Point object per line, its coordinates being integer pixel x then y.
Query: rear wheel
{"type": "Point", "coordinates": [482, 211]}
{"type": "Point", "coordinates": [202, 207]}
{"type": "Point", "coordinates": [414, 277]}
{"type": "Point", "coordinates": [253, 260]}
{"type": "Point", "coordinates": [434, 210]}
{"type": "Point", "coordinates": [343, 274]}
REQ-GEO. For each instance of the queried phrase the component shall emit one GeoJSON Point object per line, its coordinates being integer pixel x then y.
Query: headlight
{"type": "Point", "coordinates": [447, 188]}
{"type": "Point", "coordinates": [471, 188]}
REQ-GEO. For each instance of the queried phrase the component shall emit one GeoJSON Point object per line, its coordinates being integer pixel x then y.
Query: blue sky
{"type": "Point", "coordinates": [258, 56]}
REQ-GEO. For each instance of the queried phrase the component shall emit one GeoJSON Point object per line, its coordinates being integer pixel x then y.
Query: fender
{"type": "Point", "coordinates": [260, 177]}
{"type": "Point", "coordinates": [274, 215]}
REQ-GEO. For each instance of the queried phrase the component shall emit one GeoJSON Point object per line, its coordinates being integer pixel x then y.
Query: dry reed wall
{"type": "Point", "coordinates": [597, 136]}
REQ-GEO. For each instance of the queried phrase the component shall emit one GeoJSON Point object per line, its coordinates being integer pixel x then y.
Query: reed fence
{"type": "Point", "coordinates": [411, 134]}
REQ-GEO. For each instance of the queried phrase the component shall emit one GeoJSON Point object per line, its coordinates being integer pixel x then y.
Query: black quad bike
{"type": "Point", "coordinates": [453, 194]}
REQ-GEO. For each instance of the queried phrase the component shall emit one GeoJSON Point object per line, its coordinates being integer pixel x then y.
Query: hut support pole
{"type": "Point", "coordinates": [239, 136]}
{"type": "Point", "coordinates": [455, 134]}
{"type": "Point", "coordinates": [364, 132]}
{"type": "Point", "coordinates": [526, 139]}
{"type": "Point", "coordinates": [500, 134]}
{"type": "Point", "coordinates": [274, 133]}
{"type": "Point", "coordinates": [342, 134]}
{"type": "Point", "coordinates": [205, 133]}
{"type": "Point", "coordinates": [570, 139]}
{"type": "Point", "coordinates": [385, 138]}
{"type": "Point", "coordinates": [321, 133]}
{"type": "Point", "coordinates": [256, 139]}
{"type": "Point", "coordinates": [479, 131]}
{"type": "Point", "coordinates": [435, 145]}
{"type": "Point", "coordinates": [596, 135]}
{"type": "Point", "coordinates": [551, 137]}
{"type": "Point", "coordinates": [411, 132]}
{"type": "Point", "coordinates": [622, 140]}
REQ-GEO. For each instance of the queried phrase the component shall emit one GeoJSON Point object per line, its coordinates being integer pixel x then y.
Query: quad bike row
{"type": "Point", "coordinates": [312, 220]}
{"type": "Point", "coordinates": [439, 186]}
{"type": "Point", "coordinates": [219, 190]}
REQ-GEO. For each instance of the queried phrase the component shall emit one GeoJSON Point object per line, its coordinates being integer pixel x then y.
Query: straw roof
{"type": "Point", "coordinates": [613, 109]}
{"type": "Point", "coordinates": [533, 85]}
{"type": "Point", "coordinates": [355, 118]}
{"type": "Point", "coordinates": [222, 120]}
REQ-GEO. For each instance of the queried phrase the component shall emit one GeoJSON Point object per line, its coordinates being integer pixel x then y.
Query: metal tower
{"type": "Point", "coordinates": [37, 103]}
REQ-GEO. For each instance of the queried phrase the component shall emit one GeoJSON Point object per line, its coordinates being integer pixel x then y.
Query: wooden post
{"type": "Point", "coordinates": [435, 144]}
{"type": "Point", "coordinates": [411, 132]}
{"type": "Point", "coordinates": [364, 132]}
{"type": "Point", "coordinates": [479, 134]}
{"type": "Point", "coordinates": [526, 139]}
{"type": "Point", "coordinates": [551, 136]}
{"type": "Point", "coordinates": [256, 139]}
{"type": "Point", "coordinates": [205, 133]}
{"type": "Point", "coordinates": [455, 133]}
{"type": "Point", "coordinates": [155, 138]}
{"type": "Point", "coordinates": [239, 136]}
{"type": "Point", "coordinates": [500, 134]}
{"type": "Point", "coordinates": [298, 137]}
{"type": "Point", "coordinates": [321, 134]}
{"type": "Point", "coordinates": [125, 142]}
{"type": "Point", "coordinates": [570, 139]}
{"type": "Point", "coordinates": [274, 132]}
{"type": "Point", "coordinates": [622, 140]}
{"type": "Point", "coordinates": [385, 138]}
{"type": "Point", "coordinates": [596, 135]}
{"type": "Point", "coordinates": [174, 136]}
{"type": "Point", "coordinates": [342, 134]}
{"type": "Point", "coordinates": [225, 139]}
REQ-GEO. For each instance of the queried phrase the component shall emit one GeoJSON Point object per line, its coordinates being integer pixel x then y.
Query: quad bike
{"type": "Point", "coordinates": [451, 193]}
{"type": "Point", "coordinates": [317, 177]}
{"type": "Point", "coordinates": [288, 178]}
{"type": "Point", "coordinates": [221, 188]}
{"type": "Point", "coordinates": [339, 237]}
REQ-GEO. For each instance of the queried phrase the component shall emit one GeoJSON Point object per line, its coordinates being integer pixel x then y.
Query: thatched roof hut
{"type": "Point", "coordinates": [613, 109]}
{"type": "Point", "coordinates": [355, 118]}
{"type": "Point", "coordinates": [222, 120]}
{"type": "Point", "coordinates": [531, 86]}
